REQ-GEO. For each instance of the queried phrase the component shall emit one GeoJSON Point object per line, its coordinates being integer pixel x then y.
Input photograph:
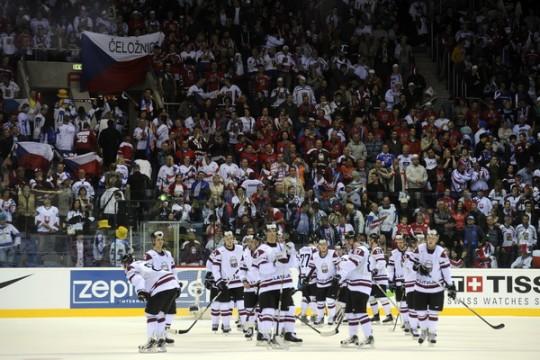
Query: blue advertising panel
{"type": "Point", "coordinates": [98, 288]}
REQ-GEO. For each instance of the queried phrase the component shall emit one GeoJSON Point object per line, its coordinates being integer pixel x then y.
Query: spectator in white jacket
{"type": "Point", "coordinates": [416, 179]}
{"type": "Point", "coordinates": [65, 137]}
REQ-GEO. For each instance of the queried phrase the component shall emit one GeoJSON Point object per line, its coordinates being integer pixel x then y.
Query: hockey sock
{"type": "Point", "coordinates": [266, 319]}
{"type": "Point", "coordinates": [241, 311]}
{"type": "Point", "coordinates": [422, 318]}
{"type": "Point", "coordinates": [168, 320]}
{"type": "Point", "coordinates": [433, 320]}
{"type": "Point", "coordinates": [366, 324]}
{"type": "Point", "coordinates": [214, 312]}
{"type": "Point", "coordinates": [331, 305]}
{"type": "Point", "coordinates": [374, 306]}
{"type": "Point", "coordinates": [289, 320]}
{"type": "Point", "coordinates": [413, 319]}
{"type": "Point", "coordinates": [303, 307]}
{"type": "Point", "coordinates": [313, 305]}
{"type": "Point", "coordinates": [151, 325]}
{"type": "Point", "coordinates": [386, 307]}
{"type": "Point", "coordinates": [160, 328]}
{"type": "Point", "coordinates": [226, 313]}
{"type": "Point", "coordinates": [404, 311]}
{"type": "Point", "coordinates": [320, 310]}
{"type": "Point", "coordinates": [353, 324]}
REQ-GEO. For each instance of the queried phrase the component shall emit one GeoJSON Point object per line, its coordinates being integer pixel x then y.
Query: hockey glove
{"type": "Point", "coordinates": [452, 292]}
{"type": "Point", "coordinates": [222, 286]}
{"type": "Point", "coordinates": [209, 281]}
{"type": "Point", "coordinates": [282, 258]}
{"type": "Point", "coordinates": [178, 292]}
{"type": "Point", "coordinates": [422, 269]}
{"type": "Point", "coordinates": [392, 286]}
{"type": "Point", "coordinates": [143, 295]}
{"type": "Point", "coordinates": [336, 281]}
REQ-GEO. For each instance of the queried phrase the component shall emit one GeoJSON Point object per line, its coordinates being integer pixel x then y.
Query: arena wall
{"type": "Point", "coordinates": [47, 292]}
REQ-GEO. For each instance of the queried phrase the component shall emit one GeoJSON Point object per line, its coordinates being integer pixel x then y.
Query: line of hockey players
{"type": "Point", "coordinates": [257, 281]}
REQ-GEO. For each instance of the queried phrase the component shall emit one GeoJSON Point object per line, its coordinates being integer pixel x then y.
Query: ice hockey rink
{"type": "Point", "coordinates": [117, 338]}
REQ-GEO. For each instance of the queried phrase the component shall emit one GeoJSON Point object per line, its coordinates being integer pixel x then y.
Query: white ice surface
{"type": "Point", "coordinates": [117, 339]}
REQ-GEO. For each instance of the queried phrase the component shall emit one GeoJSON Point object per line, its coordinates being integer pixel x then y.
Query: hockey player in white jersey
{"type": "Point", "coordinates": [396, 278]}
{"type": "Point", "coordinates": [354, 271]}
{"type": "Point", "coordinates": [324, 264]}
{"type": "Point", "coordinates": [273, 262]}
{"type": "Point", "coordinates": [380, 278]}
{"type": "Point", "coordinates": [409, 279]}
{"type": "Point", "coordinates": [162, 259]}
{"type": "Point", "coordinates": [307, 280]}
{"type": "Point", "coordinates": [229, 272]}
{"type": "Point", "coordinates": [159, 288]}
{"type": "Point", "coordinates": [433, 275]}
{"type": "Point", "coordinates": [210, 284]}
{"type": "Point", "coordinates": [251, 285]}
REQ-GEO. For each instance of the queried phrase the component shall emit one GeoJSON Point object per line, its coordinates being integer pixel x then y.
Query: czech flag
{"type": "Point", "coordinates": [90, 163]}
{"type": "Point", "coordinates": [34, 155]}
{"type": "Point", "coordinates": [112, 64]}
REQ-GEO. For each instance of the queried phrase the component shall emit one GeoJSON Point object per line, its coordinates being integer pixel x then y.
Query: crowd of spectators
{"type": "Point", "coordinates": [308, 114]}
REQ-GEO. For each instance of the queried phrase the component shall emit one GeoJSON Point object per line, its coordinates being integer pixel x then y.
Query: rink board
{"type": "Point", "coordinates": [51, 292]}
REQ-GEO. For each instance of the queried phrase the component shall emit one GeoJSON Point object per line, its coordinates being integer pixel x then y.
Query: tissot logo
{"type": "Point", "coordinates": [497, 284]}
{"type": "Point", "coordinates": [474, 284]}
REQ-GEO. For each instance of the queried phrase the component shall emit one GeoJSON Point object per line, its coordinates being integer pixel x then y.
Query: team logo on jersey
{"type": "Point", "coordinates": [233, 261]}
{"type": "Point", "coordinates": [474, 283]}
{"type": "Point", "coordinates": [324, 268]}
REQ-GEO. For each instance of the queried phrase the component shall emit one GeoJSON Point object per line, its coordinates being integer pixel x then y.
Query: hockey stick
{"type": "Point", "coordinates": [305, 322]}
{"type": "Point", "coordinates": [185, 331]}
{"type": "Point", "coordinates": [495, 327]}
{"type": "Point", "coordinates": [340, 315]}
{"type": "Point", "coordinates": [390, 300]}
{"type": "Point", "coordinates": [272, 342]}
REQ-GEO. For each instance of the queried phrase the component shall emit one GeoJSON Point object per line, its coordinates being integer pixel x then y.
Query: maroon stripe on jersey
{"type": "Point", "coordinates": [422, 318]}
{"type": "Point", "coordinates": [433, 318]}
{"type": "Point", "coordinates": [149, 320]}
{"type": "Point", "coordinates": [161, 320]}
{"type": "Point", "coordinates": [359, 282]}
{"type": "Point", "coordinates": [353, 323]}
{"type": "Point", "coordinates": [164, 279]}
{"type": "Point", "coordinates": [430, 286]}
{"type": "Point", "coordinates": [445, 266]}
{"type": "Point", "coordinates": [131, 277]}
{"type": "Point", "coordinates": [354, 261]}
{"type": "Point", "coordinates": [275, 282]}
{"type": "Point", "coordinates": [364, 320]}
{"type": "Point", "coordinates": [266, 318]}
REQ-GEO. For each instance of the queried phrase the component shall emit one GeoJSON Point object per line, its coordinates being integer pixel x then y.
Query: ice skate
{"type": "Point", "coordinates": [291, 338]}
{"type": "Point", "coordinates": [330, 321]}
{"type": "Point", "coordinates": [273, 343]}
{"type": "Point", "coordinates": [432, 338]}
{"type": "Point", "coordinates": [369, 341]}
{"type": "Point", "coordinates": [149, 347]}
{"type": "Point", "coordinates": [375, 319]}
{"type": "Point", "coordinates": [225, 330]}
{"type": "Point", "coordinates": [415, 334]}
{"type": "Point", "coordinates": [168, 340]}
{"type": "Point", "coordinates": [248, 333]}
{"type": "Point", "coordinates": [161, 345]}
{"type": "Point", "coordinates": [353, 340]}
{"type": "Point", "coordinates": [406, 327]}
{"type": "Point", "coordinates": [389, 319]}
{"type": "Point", "coordinates": [215, 327]}
{"type": "Point", "coordinates": [319, 322]}
{"type": "Point", "coordinates": [422, 337]}
{"type": "Point", "coordinates": [261, 340]}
